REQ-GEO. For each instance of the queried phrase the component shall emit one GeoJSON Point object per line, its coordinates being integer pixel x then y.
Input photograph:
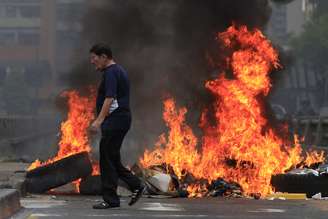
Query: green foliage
{"type": "Point", "coordinates": [321, 7]}
{"type": "Point", "coordinates": [282, 1]}
{"type": "Point", "coordinates": [312, 44]}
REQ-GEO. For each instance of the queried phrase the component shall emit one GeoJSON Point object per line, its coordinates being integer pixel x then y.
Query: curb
{"type": "Point", "coordinates": [9, 202]}
{"type": "Point", "coordinates": [15, 181]}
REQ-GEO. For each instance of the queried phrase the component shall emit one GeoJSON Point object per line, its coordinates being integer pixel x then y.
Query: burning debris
{"type": "Point", "coordinates": [74, 140]}
{"type": "Point", "coordinates": [239, 151]}
{"type": "Point", "coordinates": [74, 135]}
{"type": "Point", "coordinates": [161, 180]}
{"type": "Point", "coordinates": [239, 133]}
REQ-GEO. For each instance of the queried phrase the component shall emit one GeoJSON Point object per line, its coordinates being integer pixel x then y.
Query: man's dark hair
{"type": "Point", "coordinates": [101, 49]}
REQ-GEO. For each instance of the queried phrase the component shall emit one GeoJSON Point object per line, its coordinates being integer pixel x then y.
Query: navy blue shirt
{"type": "Point", "coordinates": [115, 84]}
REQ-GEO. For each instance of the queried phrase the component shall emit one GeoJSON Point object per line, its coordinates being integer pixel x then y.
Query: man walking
{"type": "Point", "coordinates": [114, 120]}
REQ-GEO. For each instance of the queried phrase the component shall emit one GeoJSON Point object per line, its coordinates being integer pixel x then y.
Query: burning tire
{"type": "Point", "coordinates": [56, 174]}
{"type": "Point", "coordinates": [292, 183]}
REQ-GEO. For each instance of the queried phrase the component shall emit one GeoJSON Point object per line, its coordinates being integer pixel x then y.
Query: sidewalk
{"type": "Point", "coordinates": [12, 186]}
{"type": "Point", "coordinates": [9, 202]}
{"type": "Point", "coordinates": [12, 176]}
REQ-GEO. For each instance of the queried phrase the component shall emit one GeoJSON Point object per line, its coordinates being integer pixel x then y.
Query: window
{"type": "Point", "coordinates": [20, 36]}
{"type": "Point", "coordinates": [25, 9]}
{"type": "Point", "coordinates": [70, 12]}
{"type": "Point", "coordinates": [68, 38]}
{"type": "Point", "coordinates": [11, 11]}
{"type": "Point", "coordinates": [7, 37]}
{"type": "Point", "coordinates": [3, 74]}
{"type": "Point", "coordinates": [28, 38]}
{"type": "Point", "coordinates": [32, 11]}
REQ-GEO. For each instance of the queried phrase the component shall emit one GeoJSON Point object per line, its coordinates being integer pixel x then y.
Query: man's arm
{"type": "Point", "coordinates": [110, 94]}
{"type": "Point", "coordinates": [105, 109]}
{"type": "Point", "coordinates": [103, 113]}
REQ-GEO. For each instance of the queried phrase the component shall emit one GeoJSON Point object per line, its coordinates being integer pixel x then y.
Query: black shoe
{"type": "Point", "coordinates": [105, 205]}
{"type": "Point", "coordinates": [136, 194]}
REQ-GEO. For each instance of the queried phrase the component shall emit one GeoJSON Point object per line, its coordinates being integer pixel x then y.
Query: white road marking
{"type": "Point", "coordinates": [131, 216]}
{"type": "Point", "coordinates": [268, 210]}
{"type": "Point", "coordinates": [161, 207]}
{"type": "Point", "coordinates": [107, 215]}
{"type": "Point", "coordinates": [179, 215]}
{"type": "Point", "coordinates": [42, 203]}
{"type": "Point", "coordinates": [46, 215]}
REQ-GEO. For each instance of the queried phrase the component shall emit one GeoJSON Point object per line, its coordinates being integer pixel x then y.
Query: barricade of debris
{"type": "Point", "coordinates": [310, 180]}
{"type": "Point", "coordinates": [161, 181]}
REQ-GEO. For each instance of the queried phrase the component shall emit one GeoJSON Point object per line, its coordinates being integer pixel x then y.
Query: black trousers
{"type": "Point", "coordinates": [111, 168]}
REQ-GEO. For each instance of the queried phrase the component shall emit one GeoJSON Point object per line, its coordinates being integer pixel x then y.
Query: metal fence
{"type": "Point", "coordinates": [16, 129]}
{"type": "Point", "coordinates": [314, 130]}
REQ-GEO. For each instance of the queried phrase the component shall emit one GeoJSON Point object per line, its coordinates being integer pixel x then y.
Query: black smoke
{"type": "Point", "coordinates": [168, 48]}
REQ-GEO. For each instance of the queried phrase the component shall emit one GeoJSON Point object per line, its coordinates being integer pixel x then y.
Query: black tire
{"type": "Point", "coordinates": [292, 183]}
{"type": "Point", "coordinates": [59, 173]}
{"type": "Point", "coordinates": [91, 185]}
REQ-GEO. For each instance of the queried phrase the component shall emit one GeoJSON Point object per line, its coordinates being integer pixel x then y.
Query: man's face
{"type": "Point", "coordinates": [99, 62]}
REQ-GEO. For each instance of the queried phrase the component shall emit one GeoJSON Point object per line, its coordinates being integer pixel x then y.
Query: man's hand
{"type": "Point", "coordinates": [102, 115]}
{"type": "Point", "coordinates": [95, 126]}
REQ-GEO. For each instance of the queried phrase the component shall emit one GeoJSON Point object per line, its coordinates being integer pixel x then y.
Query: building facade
{"type": "Point", "coordinates": [37, 40]}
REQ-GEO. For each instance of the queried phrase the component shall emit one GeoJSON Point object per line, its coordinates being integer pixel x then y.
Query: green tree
{"type": "Point", "coordinates": [312, 44]}
{"type": "Point", "coordinates": [311, 47]}
{"type": "Point", "coordinates": [321, 7]}
{"type": "Point", "coordinates": [282, 1]}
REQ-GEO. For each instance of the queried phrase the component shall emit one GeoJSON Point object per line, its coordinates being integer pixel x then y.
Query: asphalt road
{"type": "Point", "coordinates": [80, 207]}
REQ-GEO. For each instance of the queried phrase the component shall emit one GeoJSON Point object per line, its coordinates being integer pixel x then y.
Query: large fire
{"type": "Point", "coordinates": [74, 136]}
{"type": "Point", "coordinates": [240, 145]}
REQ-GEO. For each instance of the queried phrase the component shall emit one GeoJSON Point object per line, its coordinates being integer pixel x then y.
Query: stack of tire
{"type": "Point", "coordinates": [307, 183]}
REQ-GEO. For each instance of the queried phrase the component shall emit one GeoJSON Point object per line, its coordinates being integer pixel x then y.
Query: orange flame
{"type": "Point", "coordinates": [74, 136]}
{"type": "Point", "coordinates": [241, 146]}
{"type": "Point", "coordinates": [314, 157]}
{"type": "Point", "coordinates": [180, 140]}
